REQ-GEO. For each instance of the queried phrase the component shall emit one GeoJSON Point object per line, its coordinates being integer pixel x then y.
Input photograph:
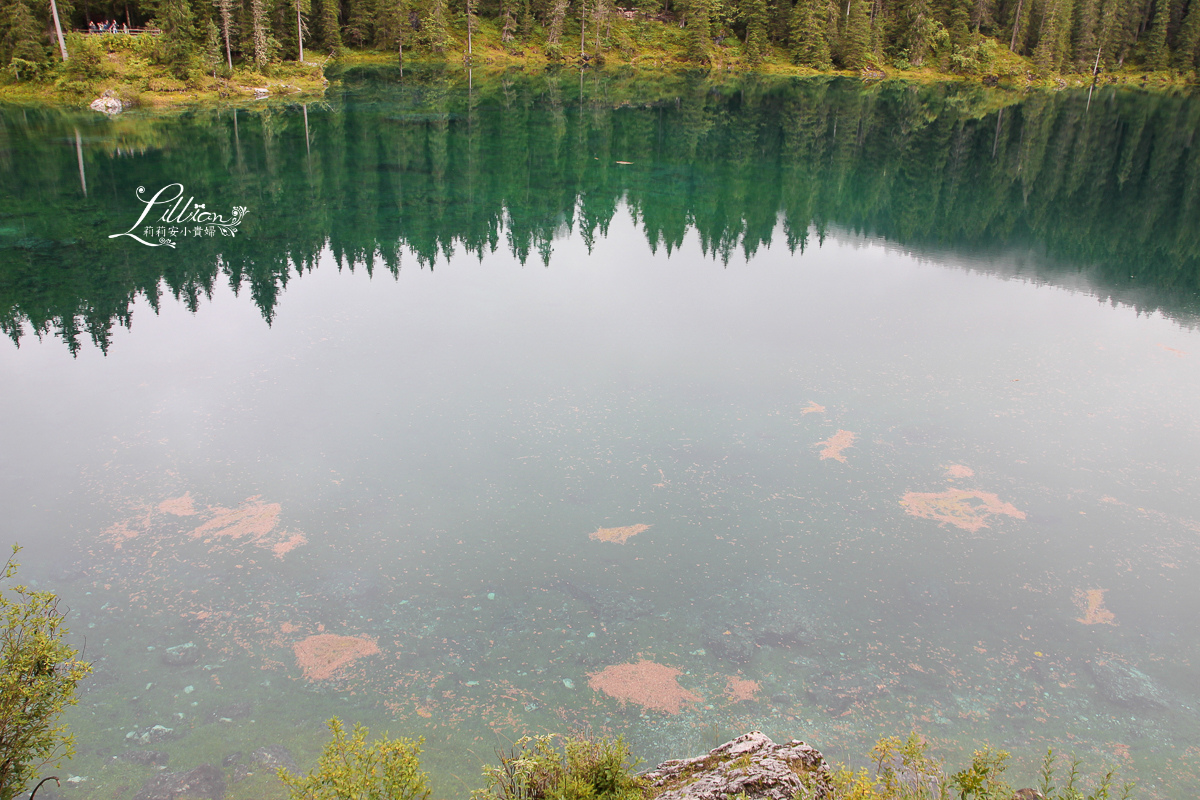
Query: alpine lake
{"type": "Point", "coordinates": [867, 408]}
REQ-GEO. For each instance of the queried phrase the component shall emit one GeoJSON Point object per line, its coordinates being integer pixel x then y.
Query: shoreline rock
{"type": "Point", "coordinates": [751, 765]}
{"type": "Point", "coordinates": [108, 103]}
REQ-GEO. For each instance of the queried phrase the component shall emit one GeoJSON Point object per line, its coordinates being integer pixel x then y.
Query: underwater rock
{"type": "Point", "coordinates": [736, 643]}
{"type": "Point", "coordinates": [153, 735]}
{"type": "Point", "coordinates": [750, 766]}
{"type": "Point", "coordinates": [836, 691]}
{"type": "Point", "coordinates": [1125, 685]}
{"type": "Point", "coordinates": [607, 604]}
{"type": "Point", "coordinates": [229, 712]}
{"type": "Point", "coordinates": [146, 758]}
{"type": "Point", "coordinates": [205, 781]}
{"type": "Point", "coordinates": [764, 613]}
{"type": "Point", "coordinates": [269, 758]}
{"type": "Point", "coordinates": [273, 757]}
{"type": "Point", "coordinates": [348, 585]}
{"type": "Point", "coordinates": [181, 655]}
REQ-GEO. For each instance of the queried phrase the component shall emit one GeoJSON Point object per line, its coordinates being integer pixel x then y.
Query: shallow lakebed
{"type": "Point", "coordinates": [842, 410]}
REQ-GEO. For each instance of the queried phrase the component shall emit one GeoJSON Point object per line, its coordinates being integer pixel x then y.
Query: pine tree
{"type": "Point", "coordinates": [433, 27]}
{"type": "Point", "coordinates": [808, 34]}
{"type": "Point", "coordinates": [1187, 44]}
{"type": "Point", "coordinates": [212, 47]}
{"type": "Point", "coordinates": [558, 15]}
{"type": "Point", "coordinates": [855, 50]}
{"type": "Point", "coordinates": [329, 32]}
{"type": "Point", "coordinates": [698, 19]}
{"type": "Point", "coordinates": [178, 38]}
{"type": "Point", "coordinates": [360, 22]}
{"type": "Point", "coordinates": [1157, 55]}
{"type": "Point", "coordinates": [913, 31]}
{"type": "Point", "coordinates": [1086, 35]}
{"type": "Point", "coordinates": [754, 12]}
{"type": "Point", "coordinates": [23, 44]}
{"type": "Point", "coordinates": [957, 16]}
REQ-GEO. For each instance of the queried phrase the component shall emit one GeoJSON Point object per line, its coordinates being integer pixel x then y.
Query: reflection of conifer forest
{"type": "Point", "coordinates": [1107, 185]}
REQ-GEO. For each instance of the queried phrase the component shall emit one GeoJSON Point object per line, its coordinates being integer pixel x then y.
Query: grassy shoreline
{"type": "Point", "coordinates": [644, 45]}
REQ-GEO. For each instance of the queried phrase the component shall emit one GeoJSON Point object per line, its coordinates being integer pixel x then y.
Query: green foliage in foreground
{"type": "Point", "coordinates": [597, 768]}
{"type": "Point", "coordinates": [38, 674]}
{"type": "Point", "coordinates": [904, 771]}
{"type": "Point", "coordinates": [350, 769]}
{"type": "Point", "coordinates": [585, 768]}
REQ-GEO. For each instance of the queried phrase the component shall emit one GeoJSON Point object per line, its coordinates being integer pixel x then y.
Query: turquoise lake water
{"type": "Point", "coordinates": [902, 383]}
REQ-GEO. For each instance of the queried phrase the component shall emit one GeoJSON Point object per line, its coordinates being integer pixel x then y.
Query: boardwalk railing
{"type": "Point", "coordinates": [123, 30]}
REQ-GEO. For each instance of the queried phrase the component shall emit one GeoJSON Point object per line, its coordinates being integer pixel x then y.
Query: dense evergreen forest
{"type": "Point", "coordinates": [207, 36]}
{"type": "Point", "coordinates": [392, 172]}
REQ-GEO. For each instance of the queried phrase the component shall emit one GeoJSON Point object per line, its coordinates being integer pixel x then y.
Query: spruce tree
{"type": "Point", "coordinates": [1157, 55]}
{"type": "Point", "coordinates": [360, 22]}
{"type": "Point", "coordinates": [808, 34]}
{"type": "Point", "coordinates": [433, 27]}
{"type": "Point", "coordinates": [329, 32]}
{"type": "Point", "coordinates": [755, 14]}
{"type": "Point", "coordinates": [179, 39]}
{"type": "Point", "coordinates": [23, 44]}
{"type": "Point", "coordinates": [1086, 43]}
{"type": "Point", "coordinates": [212, 47]}
{"type": "Point", "coordinates": [697, 18]}
{"type": "Point", "coordinates": [957, 16]}
{"type": "Point", "coordinates": [1188, 41]}
{"type": "Point", "coordinates": [855, 52]}
{"type": "Point", "coordinates": [913, 31]}
{"type": "Point", "coordinates": [554, 28]}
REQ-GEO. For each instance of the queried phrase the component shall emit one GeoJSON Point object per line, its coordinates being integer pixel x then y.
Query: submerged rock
{"type": "Point", "coordinates": [761, 613]}
{"type": "Point", "coordinates": [205, 781]}
{"type": "Point", "coordinates": [153, 735]}
{"type": "Point", "coordinates": [750, 766]}
{"type": "Point", "coordinates": [267, 759]}
{"type": "Point", "coordinates": [607, 604]}
{"type": "Point", "coordinates": [147, 758]}
{"type": "Point", "coordinates": [229, 712]}
{"type": "Point", "coordinates": [181, 655]}
{"type": "Point", "coordinates": [1126, 685]}
{"type": "Point", "coordinates": [273, 757]}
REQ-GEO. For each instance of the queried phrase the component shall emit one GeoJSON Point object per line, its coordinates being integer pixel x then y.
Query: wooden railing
{"type": "Point", "coordinates": [123, 30]}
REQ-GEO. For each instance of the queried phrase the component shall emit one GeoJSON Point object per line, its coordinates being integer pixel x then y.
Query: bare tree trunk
{"type": "Point", "coordinates": [1016, 27]}
{"type": "Point", "coordinates": [223, 11]}
{"type": "Point", "coordinates": [299, 31]}
{"type": "Point", "coordinates": [582, 25]}
{"type": "Point", "coordinates": [58, 29]}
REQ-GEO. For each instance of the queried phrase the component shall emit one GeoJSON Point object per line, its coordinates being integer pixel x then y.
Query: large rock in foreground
{"type": "Point", "coordinates": [752, 765]}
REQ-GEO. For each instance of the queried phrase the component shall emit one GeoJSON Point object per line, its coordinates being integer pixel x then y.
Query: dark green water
{"type": "Point", "coordinates": [463, 325]}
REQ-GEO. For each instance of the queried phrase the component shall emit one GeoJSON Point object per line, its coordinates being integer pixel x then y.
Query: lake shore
{"type": "Point", "coordinates": [648, 47]}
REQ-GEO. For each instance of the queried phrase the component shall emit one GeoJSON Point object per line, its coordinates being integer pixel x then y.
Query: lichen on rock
{"type": "Point", "coordinates": [750, 766]}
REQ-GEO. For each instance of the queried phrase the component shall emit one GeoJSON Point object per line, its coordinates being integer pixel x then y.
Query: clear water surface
{"type": "Point", "coordinates": [902, 382]}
